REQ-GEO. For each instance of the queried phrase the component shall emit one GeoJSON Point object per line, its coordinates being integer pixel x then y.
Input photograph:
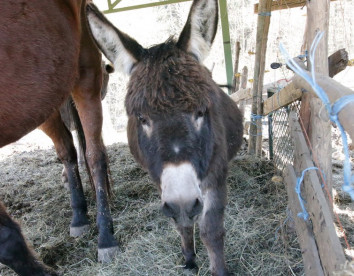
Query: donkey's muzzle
{"type": "Point", "coordinates": [186, 211]}
{"type": "Point", "coordinates": [181, 196]}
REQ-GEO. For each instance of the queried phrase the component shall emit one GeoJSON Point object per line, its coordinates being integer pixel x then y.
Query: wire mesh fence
{"type": "Point", "coordinates": [281, 148]}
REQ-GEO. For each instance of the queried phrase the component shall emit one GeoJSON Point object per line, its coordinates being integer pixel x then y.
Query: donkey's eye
{"type": "Point", "coordinates": [200, 114]}
{"type": "Point", "coordinates": [142, 119]}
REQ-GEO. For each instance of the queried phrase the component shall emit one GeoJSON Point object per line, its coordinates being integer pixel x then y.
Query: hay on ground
{"type": "Point", "coordinates": [259, 240]}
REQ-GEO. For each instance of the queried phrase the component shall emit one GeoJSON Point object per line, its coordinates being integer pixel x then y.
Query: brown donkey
{"type": "Point", "coordinates": [182, 127]}
{"type": "Point", "coordinates": [46, 53]}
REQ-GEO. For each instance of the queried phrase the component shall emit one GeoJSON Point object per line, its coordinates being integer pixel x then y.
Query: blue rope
{"type": "Point", "coordinates": [332, 110]}
{"type": "Point", "coordinates": [304, 214]}
{"type": "Point", "coordinates": [254, 118]}
{"type": "Point", "coordinates": [265, 13]}
{"type": "Point", "coordinates": [340, 103]}
{"type": "Point", "coordinates": [304, 55]}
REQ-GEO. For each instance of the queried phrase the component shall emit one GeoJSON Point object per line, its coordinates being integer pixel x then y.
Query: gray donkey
{"type": "Point", "coordinates": [182, 127]}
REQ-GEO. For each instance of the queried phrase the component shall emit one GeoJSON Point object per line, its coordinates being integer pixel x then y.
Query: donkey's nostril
{"type": "Point", "coordinates": [170, 209]}
{"type": "Point", "coordinates": [196, 209]}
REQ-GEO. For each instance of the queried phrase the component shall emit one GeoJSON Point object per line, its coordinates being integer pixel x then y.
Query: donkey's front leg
{"type": "Point", "coordinates": [187, 239]}
{"type": "Point", "coordinates": [212, 231]}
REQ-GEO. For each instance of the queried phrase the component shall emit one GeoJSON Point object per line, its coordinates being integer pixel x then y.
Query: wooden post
{"type": "Point", "coordinates": [311, 107]}
{"type": "Point", "coordinates": [244, 77]}
{"type": "Point", "coordinates": [236, 79]}
{"type": "Point", "coordinates": [255, 136]}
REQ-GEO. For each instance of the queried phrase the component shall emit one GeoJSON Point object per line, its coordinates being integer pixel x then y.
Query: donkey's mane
{"type": "Point", "coordinates": [168, 79]}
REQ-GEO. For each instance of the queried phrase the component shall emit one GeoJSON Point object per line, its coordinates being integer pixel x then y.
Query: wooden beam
{"type": "Point", "coordinates": [334, 91]}
{"type": "Point", "coordinates": [242, 94]}
{"type": "Point", "coordinates": [284, 4]}
{"type": "Point", "coordinates": [282, 98]}
{"type": "Point", "coordinates": [328, 244]}
{"type": "Point", "coordinates": [310, 256]}
{"type": "Point", "coordinates": [263, 22]}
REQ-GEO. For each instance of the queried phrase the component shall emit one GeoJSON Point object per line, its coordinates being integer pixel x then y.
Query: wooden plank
{"type": "Point", "coordinates": [309, 251]}
{"type": "Point", "coordinates": [285, 4]}
{"type": "Point", "coordinates": [242, 94]}
{"type": "Point", "coordinates": [328, 244]}
{"type": "Point", "coordinates": [263, 22]}
{"type": "Point", "coordinates": [337, 62]}
{"type": "Point", "coordinates": [282, 98]}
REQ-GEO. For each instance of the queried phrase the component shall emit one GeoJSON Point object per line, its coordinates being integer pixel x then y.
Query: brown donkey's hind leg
{"type": "Point", "coordinates": [14, 251]}
{"type": "Point", "coordinates": [63, 142]}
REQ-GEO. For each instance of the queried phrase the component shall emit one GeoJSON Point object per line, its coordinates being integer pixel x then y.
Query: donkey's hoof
{"type": "Point", "coordinates": [190, 265]}
{"type": "Point", "coordinates": [106, 255]}
{"type": "Point", "coordinates": [79, 230]}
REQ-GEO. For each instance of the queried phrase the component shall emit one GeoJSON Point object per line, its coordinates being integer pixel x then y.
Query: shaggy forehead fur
{"type": "Point", "coordinates": [167, 80]}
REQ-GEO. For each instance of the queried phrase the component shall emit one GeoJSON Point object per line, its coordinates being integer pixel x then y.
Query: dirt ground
{"type": "Point", "coordinates": [260, 236]}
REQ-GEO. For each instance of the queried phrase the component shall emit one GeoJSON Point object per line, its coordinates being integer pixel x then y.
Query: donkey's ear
{"type": "Point", "coordinates": [120, 49]}
{"type": "Point", "coordinates": [199, 32]}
